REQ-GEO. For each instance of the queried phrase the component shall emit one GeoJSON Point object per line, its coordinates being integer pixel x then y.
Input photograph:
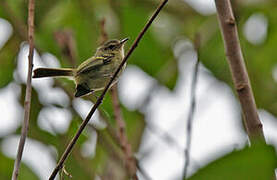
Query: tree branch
{"type": "Point", "coordinates": [192, 107]}
{"type": "Point", "coordinates": [67, 44]}
{"type": "Point", "coordinates": [103, 33]}
{"type": "Point", "coordinates": [27, 103]}
{"type": "Point", "coordinates": [238, 69]}
{"type": "Point", "coordinates": [130, 162]}
{"type": "Point", "coordinates": [100, 99]}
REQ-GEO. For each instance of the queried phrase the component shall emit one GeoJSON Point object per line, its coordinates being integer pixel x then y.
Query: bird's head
{"type": "Point", "coordinates": [114, 46]}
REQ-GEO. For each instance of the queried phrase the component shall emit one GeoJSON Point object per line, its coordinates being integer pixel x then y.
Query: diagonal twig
{"type": "Point", "coordinates": [142, 171]}
{"type": "Point", "coordinates": [237, 66]}
{"type": "Point", "coordinates": [100, 99]}
{"type": "Point", "coordinates": [192, 107]}
{"type": "Point", "coordinates": [27, 103]}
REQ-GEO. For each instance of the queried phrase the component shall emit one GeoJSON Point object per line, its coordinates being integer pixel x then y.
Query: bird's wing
{"type": "Point", "coordinates": [93, 63]}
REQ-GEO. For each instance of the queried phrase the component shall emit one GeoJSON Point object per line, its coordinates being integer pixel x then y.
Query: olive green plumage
{"type": "Point", "coordinates": [94, 73]}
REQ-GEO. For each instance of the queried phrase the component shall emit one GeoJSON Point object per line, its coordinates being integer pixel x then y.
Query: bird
{"type": "Point", "coordinates": [94, 73]}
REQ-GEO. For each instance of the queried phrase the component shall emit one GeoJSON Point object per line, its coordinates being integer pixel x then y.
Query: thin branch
{"type": "Point", "coordinates": [67, 44]}
{"type": "Point", "coordinates": [101, 97]}
{"type": "Point", "coordinates": [110, 131]}
{"type": "Point", "coordinates": [103, 33]}
{"type": "Point", "coordinates": [27, 103]}
{"type": "Point", "coordinates": [130, 162]}
{"type": "Point", "coordinates": [164, 136]}
{"type": "Point", "coordinates": [192, 108]}
{"type": "Point", "coordinates": [142, 171]}
{"type": "Point", "coordinates": [239, 73]}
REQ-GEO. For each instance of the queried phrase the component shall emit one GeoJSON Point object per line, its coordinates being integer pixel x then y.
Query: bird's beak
{"type": "Point", "coordinates": [123, 41]}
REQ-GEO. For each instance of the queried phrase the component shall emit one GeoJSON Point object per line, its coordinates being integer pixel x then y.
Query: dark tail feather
{"type": "Point", "coordinates": [51, 72]}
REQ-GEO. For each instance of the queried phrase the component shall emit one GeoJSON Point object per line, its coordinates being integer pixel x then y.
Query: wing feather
{"type": "Point", "coordinates": [93, 63]}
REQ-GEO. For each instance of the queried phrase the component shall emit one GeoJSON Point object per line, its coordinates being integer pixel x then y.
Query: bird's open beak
{"type": "Point", "coordinates": [123, 41]}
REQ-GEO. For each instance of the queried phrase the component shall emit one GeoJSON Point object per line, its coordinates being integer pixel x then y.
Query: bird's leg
{"type": "Point", "coordinates": [92, 93]}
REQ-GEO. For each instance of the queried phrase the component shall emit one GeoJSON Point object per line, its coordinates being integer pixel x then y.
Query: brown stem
{"type": "Point", "coordinates": [103, 33]}
{"type": "Point", "coordinates": [67, 44]}
{"type": "Point", "coordinates": [101, 97]}
{"type": "Point", "coordinates": [130, 162]}
{"type": "Point", "coordinates": [238, 69]}
{"type": "Point", "coordinates": [27, 103]}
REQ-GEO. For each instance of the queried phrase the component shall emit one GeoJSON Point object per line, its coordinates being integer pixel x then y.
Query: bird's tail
{"type": "Point", "coordinates": [52, 72]}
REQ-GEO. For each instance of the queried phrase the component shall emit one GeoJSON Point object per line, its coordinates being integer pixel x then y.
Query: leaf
{"type": "Point", "coordinates": [6, 170]}
{"type": "Point", "coordinates": [7, 58]}
{"type": "Point", "coordinates": [257, 162]}
{"type": "Point", "coordinates": [68, 15]}
{"type": "Point", "coordinates": [150, 55]}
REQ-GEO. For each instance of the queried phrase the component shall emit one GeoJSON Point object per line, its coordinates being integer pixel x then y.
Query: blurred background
{"type": "Point", "coordinates": [154, 90]}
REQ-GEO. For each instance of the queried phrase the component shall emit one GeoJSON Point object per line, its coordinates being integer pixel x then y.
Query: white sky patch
{"type": "Point", "coordinates": [164, 28]}
{"type": "Point", "coordinates": [36, 155]}
{"type": "Point", "coordinates": [133, 86]}
{"type": "Point", "coordinates": [169, 111]}
{"type": "Point", "coordinates": [22, 62]}
{"type": "Point", "coordinates": [180, 48]}
{"type": "Point", "coordinates": [269, 126]}
{"type": "Point", "coordinates": [205, 7]}
{"type": "Point", "coordinates": [6, 31]}
{"type": "Point", "coordinates": [50, 60]}
{"type": "Point", "coordinates": [217, 112]}
{"type": "Point", "coordinates": [47, 94]}
{"type": "Point", "coordinates": [88, 148]}
{"type": "Point", "coordinates": [54, 120]}
{"type": "Point", "coordinates": [83, 107]}
{"type": "Point", "coordinates": [11, 110]}
{"type": "Point", "coordinates": [255, 28]}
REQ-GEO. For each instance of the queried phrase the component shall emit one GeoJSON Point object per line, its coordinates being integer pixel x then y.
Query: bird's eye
{"type": "Point", "coordinates": [111, 46]}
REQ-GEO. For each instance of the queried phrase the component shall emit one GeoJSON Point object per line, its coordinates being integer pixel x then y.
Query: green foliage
{"type": "Point", "coordinates": [151, 55]}
{"type": "Point", "coordinates": [6, 170]}
{"type": "Point", "coordinates": [7, 58]}
{"type": "Point", "coordinates": [257, 162]}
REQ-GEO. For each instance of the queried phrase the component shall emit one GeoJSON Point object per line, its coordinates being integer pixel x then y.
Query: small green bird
{"type": "Point", "coordinates": [95, 73]}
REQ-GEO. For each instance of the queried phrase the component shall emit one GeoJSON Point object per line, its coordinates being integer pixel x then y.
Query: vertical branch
{"type": "Point", "coordinates": [67, 44]}
{"type": "Point", "coordinates": [103, 33]}
{"type": "Point", "coordinates": [101, 97]}
{"type": "Point", "coordinates": [238, 69]}
{"type": "Point", "coordinates": [27, 103]}
{"type": "Point", "coordinates": [192, 107]}
{"type": "Point", "coordinates": [130, 162]}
